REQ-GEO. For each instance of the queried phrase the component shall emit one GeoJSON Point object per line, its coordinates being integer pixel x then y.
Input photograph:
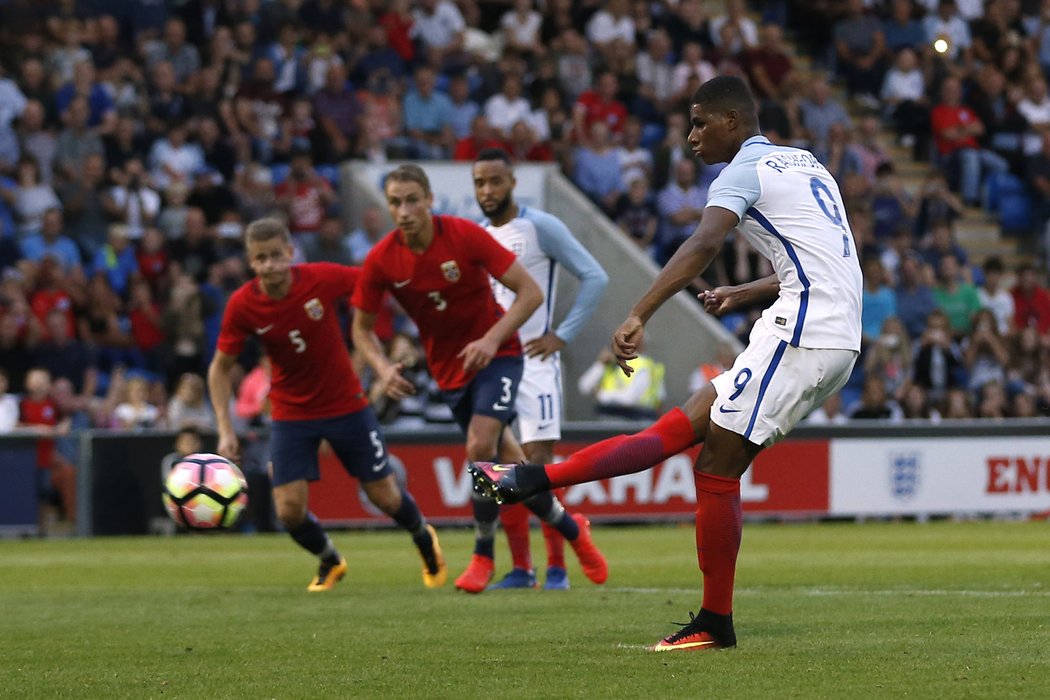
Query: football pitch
{"type": "Point", "coordinates": [834, 610]}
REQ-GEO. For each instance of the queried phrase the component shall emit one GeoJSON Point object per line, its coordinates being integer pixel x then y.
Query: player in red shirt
{"type": "Point", "coordinates": [315, 395]}
{"type": "Point", "coordinates": [438, 269]}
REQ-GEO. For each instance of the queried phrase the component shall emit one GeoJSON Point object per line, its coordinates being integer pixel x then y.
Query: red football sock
{"type": "Point", "coordinates": [515, 521]}
{"type": "Point", "coordinates": [555, 546]}
{"type": "Point", "coordinates": [719, 522]}
{"type": "Point", "coordinates": [626, 454]}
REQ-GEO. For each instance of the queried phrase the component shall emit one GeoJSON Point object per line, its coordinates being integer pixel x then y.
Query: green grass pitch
{"type": "Point", "coordinates": [939, 610]}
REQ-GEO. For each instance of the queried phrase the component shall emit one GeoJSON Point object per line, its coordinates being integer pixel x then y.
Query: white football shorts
{"type": "Point", "coordinates": [539, 400]}
{"type": "Point", "coordinates": [773, 385]}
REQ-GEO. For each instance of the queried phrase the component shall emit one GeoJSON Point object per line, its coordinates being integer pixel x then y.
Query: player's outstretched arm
{"type": "Point", "coordinates": [478, 353]}
{"type": "Point", "coordinates": [722, 300]}
{"type": "Point", "coordinates": [220, 388]}
{"type": "Point", "coordinates": [688, 262]}
{"type": "Point", "coordinates": [367, 343]}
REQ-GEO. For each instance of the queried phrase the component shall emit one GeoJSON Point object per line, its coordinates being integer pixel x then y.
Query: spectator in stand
{"type": "Point", "coordinates": [691, 65]}
{"type": "Point", "coordinates": [116, 260]}
{"type": "Point", "coordinates": [211, 195]}
{"type": "Point", "coordinates": [956, 129]}
{"type": "Point", "coordinates": [948, 25]}
{"type": "Point", "coordinates": [76, 142]}
{"type": "Point", "coordinates": [1029, 358]}
{"type": "Point", "coordinates": [828, 413]}
{"type": "Point", "coordinates": [39, 413]}
{"type": "Point", "coordinates": [611, 23]}
{"type": "Point", "coordinates": [482, 135]}
{"type": "Point", "coordinates": [600, 105]}
{"type": "Point", "coordinates": [30, 198]}
{"type": "Point", "coordinates": [53, 291]}
{"type": "Point", "coordinates": [875, 403]}
{"type": "Point", "coordinates": [8, 405]}
{"type": "Point", "coordinates": [744, 28]}
{"type": "Point", "coordinates": [574, 63]}
{"type": "Point", "coordinates": [769, 66]}
{"type": "Point", "coordinates": [655, 71]}
{"type": "Point", "coordinates": [464, 109]}
{"type": "Point", "coordinates": [102, 113]}
{"type": "Point", "coordinates": [131, 201]}
{"type": "Point", "coordinates": [428, 116]}
{"type": "Point", "coordinates": [938, 365]}
{"type": "Point", "coordinates": [1037, 176]}
{"type": "Point", "coordinates": [915, 300]}
{"type": "Point", "coordinates": [1034, 106]}
{"type": "Point", "coordinates": [379, 57]}
{"type": "Point", "coordinates": [63, 356]}
{"type": "Point", "coordinates": [992, 401]}
{"type": "Point", "coordinates": [941, 242]}
{"type": "Point", "coordinates": [339, 114]}
{"type": "Point", "coordinates": [196, 250]}
{"type": "Point", "coordinates": [1031, 301]}
{"type": "Point", "coordinates": [681, 206]}
{"type": "Point", "coordinates": [636, 213]}
{"type": "Point", "coordinates": [133, 409]}
{"type": "Point", "coordinates": [84, 206]}
{"type": "Point", "coordinates": [184, 326]}
{"type": "Point", "coordinates": [915, 405]}
{"type": "Point", "coordinates": [889, 357]}
{"type": "Point", "coordinates": [954, 295]}
{"type": "Point", "coordinates": [893, 208]}
{"type": "Point", "coordinates": [103, 326]}
{"type": "Point", "coordinates": [189, 406]}
{"type": "Point", "coordinates": [330, 245]}
{"type": "Point", "coordinates": [839, 154]}
{"type": "Point", "coordinates": [860, 47]}
{"type": "Point", "coordinates": [902, 30]}
{"type": "Point", "coordinates": [520, 29]}
{"type": "Point", "coordinates": [361, 240]}
{"type": "Point", "coordinates": [637, 397]}
{"type": "Point", "coordinates": [51, 242]}
{"type": "Point", "coordinates": [879, 301]}
{"type": "Point", "coordinates": [635, 160]}
{"type": "Point", "coordinates": [597, 169]}
{"type": "Point", "coordinates": [524, 145]}
{"type": "Point", "coordinates": [820, 111]}
{"type": "Point", "coordinates": [174, 158]}
{"type": "Point", "coordinates": [995, 298]}
{"type": "Point", "coordinates": [938, 205]}
{"type": "Point", "coordinates": [36, 138]}
{"type": "Point", "coordinates": [304, 196]}
{"type": "Point", "coordinates": [183, 56]}
{"type": "Point", "coordinates": [507, 107]}
{"type": "Point", "coordinates": [15, 356]}
{"type": "Point", "coordinates": [147, 325]}
{"type": "Point", "coordinates": [440, 29]}
{"type": "Point", "coordinates": [985, 353]}
{"type": "Point", "coordinates": [904, 95]}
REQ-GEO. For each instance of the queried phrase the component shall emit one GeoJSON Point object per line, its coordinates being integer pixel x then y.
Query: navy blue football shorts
{"type": "Point", "coordinates": [492, 392]}
{"type": "Point", "coordinates": [356, 439]}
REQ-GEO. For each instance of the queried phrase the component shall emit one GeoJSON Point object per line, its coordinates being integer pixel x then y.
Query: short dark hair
{"type": "Point", "coordinates": [994, 264]}
{"type": "Point", "coordinates": [409, 172]}
{"type": "Point", "coordinates": [267, 229]}
{"type": "Point", "coordinates": [493, 154]}
{"type": "Point", "coordinates": [724, 93]}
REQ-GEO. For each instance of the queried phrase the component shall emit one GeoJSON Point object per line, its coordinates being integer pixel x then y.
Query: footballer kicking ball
{"type": "Point", "coordinates": [205, 492]}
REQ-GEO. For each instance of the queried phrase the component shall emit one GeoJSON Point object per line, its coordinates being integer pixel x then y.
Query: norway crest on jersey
{"type": "Point", "coordinates": [314, 309]}
{"type": "Point", "coordinates": [450, 270]}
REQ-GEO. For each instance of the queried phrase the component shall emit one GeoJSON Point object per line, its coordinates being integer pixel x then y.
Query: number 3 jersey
{"type": "Point", "coordinates": [311, 375]}
{"type": "Point", "coordinates": [791, 211]}
{"type": "Point", "coordinates": [445, 290]}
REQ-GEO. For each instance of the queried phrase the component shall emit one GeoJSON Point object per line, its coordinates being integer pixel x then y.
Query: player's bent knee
{"type": "Point", "coordinates": [726, 453]}
{"type": "Point", "coordinates": [290, 511]}
{"type": "Point", "coordinates": [384, 494]}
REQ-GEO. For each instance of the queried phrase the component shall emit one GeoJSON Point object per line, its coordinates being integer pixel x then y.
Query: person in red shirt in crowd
{"type": "Point", "coordinates": [39, 413]}
{"type": "Point", "coordinates": [600, 104]}
{"type": "Point", "coordinates": [147, 323]}
{"type": "Point", "coordinates": [293, 310]}
{"type": "Point", "coordinates": [50, 295]}
{"type": "Point", "coordinates": [438, 268]}
{"type": "Point", "coordinates": [524, 146]}
{"type": "Point", "coordinates": [956, 129]}
{"type": "Point", "coordinates": [152, 256]}
{"type": "Point", "coordinates": [304, 196]}
{"type": "Point", "coordinates": [1031, 301]}
{"type": "Point", "coordinates": [398, 24]}
{"type": "Point", "coordinates": [482, 135]}
{"type": "Point", "coordinates": [768, 66]}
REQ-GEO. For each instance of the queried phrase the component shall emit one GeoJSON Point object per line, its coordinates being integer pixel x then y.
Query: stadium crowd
{"type": "Point", "coordinates": [138, 137]}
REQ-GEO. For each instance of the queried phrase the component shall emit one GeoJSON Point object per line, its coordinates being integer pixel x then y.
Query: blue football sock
{"type": "Point", "coordinates": [486, 513]}
{"type": "Point", "coordinates": [312, 537]}
{"type": "Point", "coordinates": [550, 510]}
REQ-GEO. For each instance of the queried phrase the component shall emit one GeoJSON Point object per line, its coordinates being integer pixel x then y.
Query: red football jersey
{"type": "Point", "coordinates": [312, 374]}
{"type": "Point", "coordinates": [445, 290]}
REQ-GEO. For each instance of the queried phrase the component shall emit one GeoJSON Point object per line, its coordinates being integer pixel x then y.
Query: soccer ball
{"type": "Point", "coordinates": [205, 492]}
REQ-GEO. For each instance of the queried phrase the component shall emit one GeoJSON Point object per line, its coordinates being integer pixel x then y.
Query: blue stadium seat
{"type": "Point", "coordinates": [1008, 196]}
{"type": "Point", "coordinates": [330, 173]}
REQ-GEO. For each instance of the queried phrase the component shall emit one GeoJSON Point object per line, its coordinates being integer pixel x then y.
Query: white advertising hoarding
{"type": "Point", "coordinates": [453, 186]}
{"type": "Point", "coordinates": [939, 475]}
